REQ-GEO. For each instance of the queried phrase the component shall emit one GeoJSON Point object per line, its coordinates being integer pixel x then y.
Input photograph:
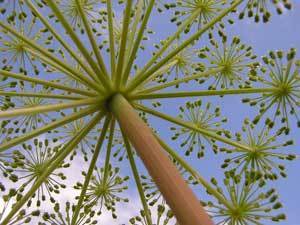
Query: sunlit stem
{"type": "Point", "coordinates": [39, 95]}
{"type": "Point", "coordinates": [93, 42]}
{"type": "Point", "coordinates": [191, 126]}
{"type": "Point", "coordinates": [111, 38]}
{"type": "Point", "coordinates": [122, 50]}
{"type": "Point", "coordinates": [137, 42]}
{"type": "Point", "coordinates": [204, 93]}
{"type": "Point", "coordinates": [137, 179]}
{"type": "Point", "coordinates": [103, 78]}
{"type": "Point", "coordinates": [182, 80]}
{"type": "Point", "coordinates": [109, 148]}
{"type": "Point", "coordinates": [60, 39]}
{"type": "Point", "coordinates": [164, 173]}
{"type": "Point", "coordinates": [63, 153]}
{"type": "Point", "coordinates": [46, 83]}
{"type": "Point", "coordinates": [194, 173]}
{"type": "Point", "coordinates": [60, 122]}
{"type": "Point", "coordinates": [45, 52]}
{"type": "Point", "coordinates": [90, 170]}
{"type": "Point", "coordinates": [47, 108]}
{"type": "Point", "coordinates": [144, 75]}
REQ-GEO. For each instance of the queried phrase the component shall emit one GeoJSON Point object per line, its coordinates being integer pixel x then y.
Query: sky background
{"type": "Point", "coordinates": [281, 33]}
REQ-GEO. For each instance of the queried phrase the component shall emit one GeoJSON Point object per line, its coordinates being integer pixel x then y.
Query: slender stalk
{"type": "Point", "coordinates": [193, 172]}
{"type": "Point", "coordinates": [90, 170]}
{"type": "Point", "coordinates": [93, 42]}
{"type": "Point", "coordinates": [175, 190]}
{"type": "Point", "coordinates": [122, 50]}
{"type": "Point", "coordinates": [137, 42]}
{"type": "Point", "coordinates": [103, 78]}
{"type": "Point", "coordinates": [137, 178]}
{"type": "Point", "coordinates": [47, 54]}
{"type": "Point", "coordinates": [46, 83]}
{"type": "Point", "coordinates": [144, 75]}
{"type": "Point", "coordinates": [166, 45]}
{"type": "Point", "coordinates": [60, 39]}
{"type": "Point", "coordinates": [61, 69]}
{"type": "Point", "coordinates": [47, 108]}
{"type": "Point", "coordinates": [182, 80]}
{"type": "Point", "coordinates": [54, 165]}
{"type": "Point", "coordinates": [39, 95]}
{"type": "Point", "coordinates": [109, 148]}
{"type": "Point", "coordinates": [191, 126]}
{"type": "Point", "coordinates": [203, 93]}
{"type": "Point", "coordinates": [111, 38]}
{"type": "Point", "coordinates": [34, 133]}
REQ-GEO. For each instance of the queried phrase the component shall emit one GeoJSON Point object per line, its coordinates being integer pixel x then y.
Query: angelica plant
{"type": "Point", "coordinates": [86, 79]}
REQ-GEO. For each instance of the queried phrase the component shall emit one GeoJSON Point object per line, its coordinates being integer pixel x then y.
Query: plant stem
{"type": "Point", "coordinates": [92, 40]}
{"type": "Point", "coordinates": [103, 78]}
{"type": "Point", "coordinates": [69, 147]}
{"type": "Point", "coordinates": [137, 42]}
{"type": "Point", "coordinates": [191, 126]}
{"type": "Point", "coordinates": [67, 119]}
{"type": "Point", "coordinates": [122, 50]}
{"type": "Point", "coordinates": [166, 45]}
{"type": "Point", "coordinates": [177, 193]}
{"type": "Point", "coordinates": [39, 95]}
{"type": "Point", "coordinates": [47, 108]}
{"type": "Point", "coordinates": [46, 83]}
{"type": "Point", "coordinates": [144, 75]}
{"type": "Point", "coordinates": [203, 93]}
{"type": "Point", "coordinates": [109, 148]}
{"type": "Point", "coordinates": [194, 173]}
{"type": "Point", "coordinates": [111, 38]}
{"type": "Point", "coordinates": [137, 178]}
{"type": "Point", "coordinates": [90, 170]}
{"type": "Point", "coordinates": [60, 39]}
{"type": "Point", "coordinates": [182, 80]}
{"type": "Point", "coordinates": [47, 54]}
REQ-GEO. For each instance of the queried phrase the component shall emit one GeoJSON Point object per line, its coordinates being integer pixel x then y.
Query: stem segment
{"type": "Point", "coordinates": [177, 193]}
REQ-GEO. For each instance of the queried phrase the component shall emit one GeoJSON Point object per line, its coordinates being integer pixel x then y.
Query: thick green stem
{"type": "Point", "coordinates": [192, 126]}
{"type": "Point", "coordinates": [143, 75]}
{"type": "Point", "coordinates": [173, 187]}
{"type": "Point", "coordinates": [203, 93]}
{"type": "Point", "coordinates": [34, 133]}
{"type": "Point", "coordinates": [38, 95]}
{"type": "Point", "coordinates": [46, 83]}
{"type": "Point", "coordinates": [137, 178]}
{"type": "Point", "coordinates": [47, 108]}
{"type": "Point", "coordinates": [194, 173]}
{"type": "Point", "coordinates": [90, 170]}
{"type": "Point", "coordinates": [63, 153]}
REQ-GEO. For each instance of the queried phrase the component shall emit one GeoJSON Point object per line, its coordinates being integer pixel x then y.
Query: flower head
{"type": "Point", "coordinates": [59, 217]}
{"type": "Point", "coordinates": [30, 163]}
{"type": "Point", "coordinates": [233, 59]}
{"type": "Point", "coordinates": [259, 8]}
{"type": "Point", "coordinates": [104, 189]}
{"type": "Point", "coordinates": [247, 202]}
{"type": "Point", "coordinates": [263, 154]}
{"type": "Point", "coordinates": [202, 116]}
{"type": "Point", "coordinates": [284, 81]}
